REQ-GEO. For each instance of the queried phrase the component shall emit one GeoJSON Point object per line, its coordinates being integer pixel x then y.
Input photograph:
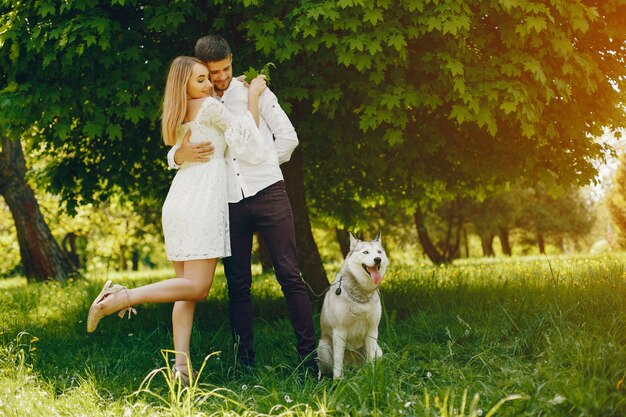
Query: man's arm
{"type": "Point", "coordinates": [285, 136]}
{"type": "Point", "coordinates": [189, 152]}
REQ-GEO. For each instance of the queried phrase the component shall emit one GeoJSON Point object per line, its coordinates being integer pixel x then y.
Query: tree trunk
{"type": "Point", "coordinates": [505, 241]}
{"type": "Point", "coordinates": [487, 242]}
{"type": "Point", "coordinates": [42, 257]}
{"type": "Point", "coordinates": [134, 260]}
{"type": "Point", "coordinates": [467, 252]}
{"type": "Point", "coordinates": [541, 242]}
{"type": "Point", "coordinates": [429, 247]}
{"type": "Point", "coordinates": [69, 245]}
{"type": "Point", "coordinates": [343, 237]}
{"type": "Point", "coordinates": [309, 257]}
{"type": "Point", "coordinates": [456, 253]}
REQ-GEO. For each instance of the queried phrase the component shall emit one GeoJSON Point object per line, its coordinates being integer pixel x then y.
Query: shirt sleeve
{"type": "Point", "coordinates": [285, 137]}
{"type": "Point", "coordinates": [240, 132]}
{"type": "Point", "coordinates": [171, 163]}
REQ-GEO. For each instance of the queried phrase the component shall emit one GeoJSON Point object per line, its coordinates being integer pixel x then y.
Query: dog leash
{"type": "Point", "coordinates": [337, 291]}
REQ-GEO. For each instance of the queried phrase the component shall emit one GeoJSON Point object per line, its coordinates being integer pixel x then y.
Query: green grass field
{"type": "Point", "coordinates": [519, 337]}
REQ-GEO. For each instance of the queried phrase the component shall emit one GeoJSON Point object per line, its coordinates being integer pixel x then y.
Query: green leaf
{"type": "Point", "coordinates": [252, 73]}
{"type": "Point", "coordinates": [92, 129]}
{"type": "Point", "coordinates": [397, 41]}
{"type": "Point", "coordinates": [114, 131]}
{"type": "Point", "coordinates": [394, 137]}
{"type": "Point", "coordinates": [373, 16]}
{"type": "Point", "coordinates": [460, 113]}
{"type": "Point", "coordinates": [134, 114]}
{"type": "Point", "coordinates": [508, 106]}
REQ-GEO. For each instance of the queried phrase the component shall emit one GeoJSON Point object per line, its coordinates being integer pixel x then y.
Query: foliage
{"type": "Point", "coordinates": [252, 73]}
{"type": "Point", "coordinates": [107, 235]}
{"type": "Point", "coordinates": [410, 99]}
{"type": "Point", "coordinates": [9, 263]}
{"type": "Point", "coordinates": [87, 89]}
{"type": "Point", "coordinates": [550, 329]}
{"type": "Point", "coordinates": [616, 199]}
{"type": "Point", "coordinates": [567, 215]}
{"type": "Point", "coordinates": [415, 100]}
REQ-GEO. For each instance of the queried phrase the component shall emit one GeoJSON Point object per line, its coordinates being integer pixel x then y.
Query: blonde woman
{"type": "Point", "coordinates": [195, 212]}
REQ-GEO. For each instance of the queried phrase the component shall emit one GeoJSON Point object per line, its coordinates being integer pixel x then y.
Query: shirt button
{"type": "Point", "coordinates": [237, 174]}
{"type": "Point", "coordinates": [234, 159]}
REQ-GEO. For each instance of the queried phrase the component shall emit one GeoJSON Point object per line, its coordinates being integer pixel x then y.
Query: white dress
{"type": "Point", "coordinates": [195, 212]}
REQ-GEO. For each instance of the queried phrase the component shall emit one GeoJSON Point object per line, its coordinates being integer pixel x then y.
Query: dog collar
{"type": "Point", "coordinates": [338, 292]}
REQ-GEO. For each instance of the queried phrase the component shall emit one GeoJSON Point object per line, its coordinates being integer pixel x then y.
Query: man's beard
{"type": "Point", "coordinates": [226, 85]}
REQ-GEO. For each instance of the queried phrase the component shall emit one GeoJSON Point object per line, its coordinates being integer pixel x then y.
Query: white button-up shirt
{"type": "Point", "coordinates": [246, 179]}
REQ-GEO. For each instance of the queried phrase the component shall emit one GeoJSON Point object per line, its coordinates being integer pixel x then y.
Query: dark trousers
{"type": "Point", "coordinates": [269, 213]}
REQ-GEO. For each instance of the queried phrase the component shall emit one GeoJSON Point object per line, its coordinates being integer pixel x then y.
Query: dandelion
{"type": "Point", "coordinates": [244, 387]}
{"type": "Point", "coordinates": [479, 412]}
{"type": "Point", "coordinates": [34, 339]}
{"type": "Point", "coordinates": [288, 399]}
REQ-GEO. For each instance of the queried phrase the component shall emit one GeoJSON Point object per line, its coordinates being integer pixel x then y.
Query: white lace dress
{"type": "Point", "coordinates": [195, 212]}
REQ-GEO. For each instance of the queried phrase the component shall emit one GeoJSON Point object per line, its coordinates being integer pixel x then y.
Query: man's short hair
{"type": "Point", "coordinates": [212, 48]}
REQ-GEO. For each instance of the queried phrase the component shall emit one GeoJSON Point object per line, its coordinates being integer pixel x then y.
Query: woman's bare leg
{"type": "Point", "coordinates": [182, 322]}
{"type": "Point", "coordinates": [182, 314]}
{"type": "Point", "coordinates": [194, 286]}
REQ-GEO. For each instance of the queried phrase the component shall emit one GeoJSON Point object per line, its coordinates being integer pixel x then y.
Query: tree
{"type": "Point", "coordinates": [546, 217]}
{"type": "Point", "coordinates": [86, 77]}
{"type": "Point", "coordinates": [421, 101]}
{"type": "Point", "coordinates": [42, 257]}
{"type": "Point", "coordinates": [616, 199]}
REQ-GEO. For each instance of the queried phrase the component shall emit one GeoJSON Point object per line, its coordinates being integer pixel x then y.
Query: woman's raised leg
{"type": "Point", "coordinates": [194, 286]}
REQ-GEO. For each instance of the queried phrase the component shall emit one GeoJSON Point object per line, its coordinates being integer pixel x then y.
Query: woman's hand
{"type": "Point", "coordinates": [257, 86]}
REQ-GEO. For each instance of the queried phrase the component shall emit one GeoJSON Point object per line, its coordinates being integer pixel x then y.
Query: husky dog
{"type": "Point", "coordinates": [351, 310]}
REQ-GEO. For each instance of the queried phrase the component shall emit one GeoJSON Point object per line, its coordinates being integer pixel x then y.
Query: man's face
{"type": "Point", "coordinates": [221, 73]}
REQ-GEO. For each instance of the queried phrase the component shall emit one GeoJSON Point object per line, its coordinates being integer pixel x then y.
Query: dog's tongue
{"type": "Point", "coordinates": [375, 274]}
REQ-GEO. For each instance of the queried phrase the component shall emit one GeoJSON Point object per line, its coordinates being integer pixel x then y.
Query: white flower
{"type": "Point", "coordinates": [479, 412]}
{"type": "Point", "coordinates": [288, 399]}
{"type": "Point", "coordinates": [244, 387]}
{"type": "Point", "coordinates": [408, 404]}
{"type": "Point", "coordinates": [558, 399]}
{"type": "Point", "coordinates": [429, 375]}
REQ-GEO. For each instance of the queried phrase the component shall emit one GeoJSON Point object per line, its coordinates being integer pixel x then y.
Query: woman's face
{"type": "Point", "coordinates": [199, 85]}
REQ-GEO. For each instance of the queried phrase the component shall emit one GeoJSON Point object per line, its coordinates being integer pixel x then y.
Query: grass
{"type": "Point", "coordinates": [515, 337]}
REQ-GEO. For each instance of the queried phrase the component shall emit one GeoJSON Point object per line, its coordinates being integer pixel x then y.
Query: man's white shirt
{"type": "Point", "coordinates": [244, 178]}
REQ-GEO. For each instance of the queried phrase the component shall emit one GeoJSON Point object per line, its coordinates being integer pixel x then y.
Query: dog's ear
{"type": "Point", "coordinates": [378, 237]}
{"type": "Point", "coordinates": [353, 241]}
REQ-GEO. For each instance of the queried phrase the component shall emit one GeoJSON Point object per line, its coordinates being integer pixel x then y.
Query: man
{"type": "Point", "coordinates": [257, 202]}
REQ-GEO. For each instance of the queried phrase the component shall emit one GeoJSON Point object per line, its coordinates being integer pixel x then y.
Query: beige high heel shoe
{"type": "Point", "coordinates": [182, 372]}
{"type": "Point", "coordinates": [96, 312]}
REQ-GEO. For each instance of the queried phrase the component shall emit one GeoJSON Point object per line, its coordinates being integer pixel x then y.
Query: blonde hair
{"type": "Point", "coordinates": [175, 98]}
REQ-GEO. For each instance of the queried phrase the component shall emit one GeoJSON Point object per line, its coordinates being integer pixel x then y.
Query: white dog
{"type": "Point", "coordinates": [352, 309]}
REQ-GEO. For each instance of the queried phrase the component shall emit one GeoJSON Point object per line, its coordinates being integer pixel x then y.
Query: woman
{"type": "Point", "coordinates": [195, 212]}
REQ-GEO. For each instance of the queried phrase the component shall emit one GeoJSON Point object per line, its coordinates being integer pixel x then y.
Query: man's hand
{"type": "Point", "coordinates": [193, 152]}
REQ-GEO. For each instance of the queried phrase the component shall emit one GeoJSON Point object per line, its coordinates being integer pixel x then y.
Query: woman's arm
{"type": "Point", "coordinates": [257, 86]}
